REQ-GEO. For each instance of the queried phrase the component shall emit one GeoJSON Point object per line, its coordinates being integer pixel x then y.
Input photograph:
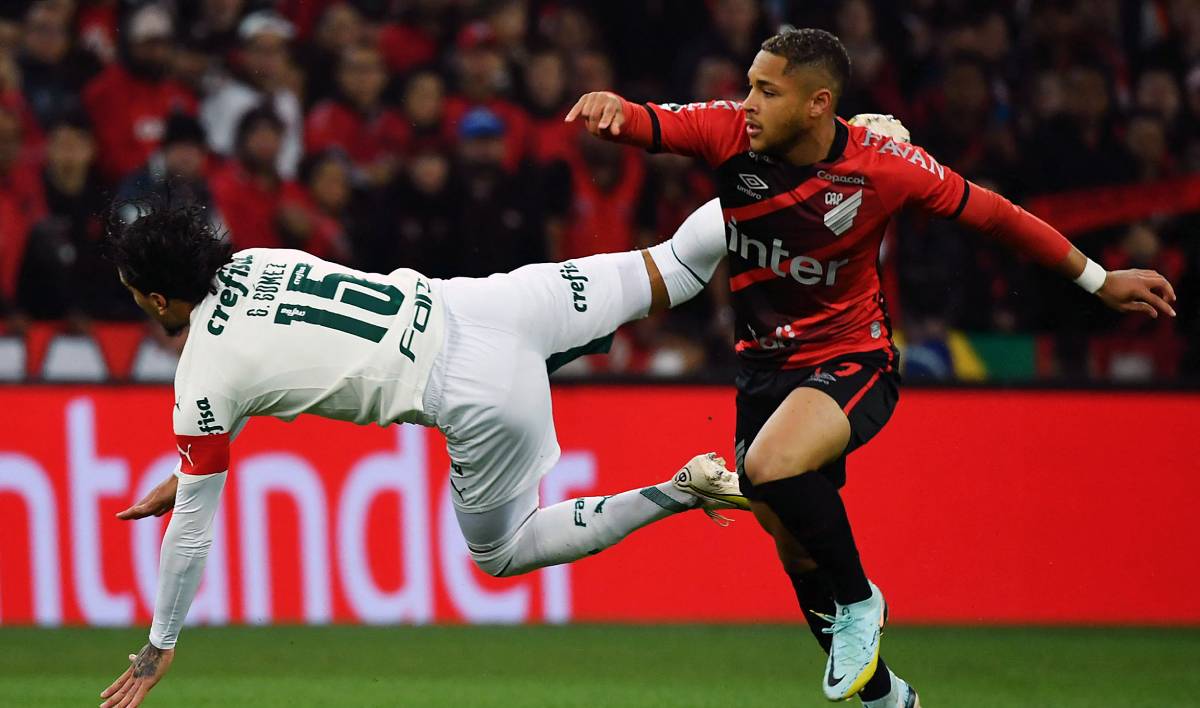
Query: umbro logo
{"type": "Point", "coordinates": [840, 218]}
{"type": "Point", "coordinates": [753, 181]}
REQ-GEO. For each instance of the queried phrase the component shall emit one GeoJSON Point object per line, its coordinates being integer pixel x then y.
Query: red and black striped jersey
{"type": "Point", "coordinates": [804, 241]}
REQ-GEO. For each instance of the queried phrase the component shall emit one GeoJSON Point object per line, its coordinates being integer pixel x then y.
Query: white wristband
{"type": "Point", "coordinates": [1092, 277]}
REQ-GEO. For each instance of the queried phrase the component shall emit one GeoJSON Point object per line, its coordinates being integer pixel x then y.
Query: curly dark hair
{"type": "Point", "coordinates": [815, 48]}
{"type": "Point", "coordinates": [160, 247]}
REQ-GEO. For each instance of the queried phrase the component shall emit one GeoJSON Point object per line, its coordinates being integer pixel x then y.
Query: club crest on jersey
{"type": "Point", "coordinates": [840, 218]}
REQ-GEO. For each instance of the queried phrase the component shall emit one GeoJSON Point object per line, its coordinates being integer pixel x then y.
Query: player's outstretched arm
{"type": "Point", "coordinates": [713, 131]}
{"type": "Point", "coordinates": [181, 563]}
{"type": "Point", "coordinates": [603, 114]}
{"type": "Point", "coordinates": [157, 501]}
{"type": "Point", "coordinates": [949, 195]}
{"type": "Point", "coordinates": [1132, 290]}
{"type": "Point", "coordinates": [146, 668]}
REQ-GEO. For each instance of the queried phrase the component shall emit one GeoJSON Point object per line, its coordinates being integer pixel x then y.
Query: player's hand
{"type": "Point", "coordinates": [146, 668]}
{"type": "Point", "coordinates": [601, 112]}
{"type": "Point", "coordinates": [157, 502]}
{"type": "Point", "coordinates": [1137, 290]}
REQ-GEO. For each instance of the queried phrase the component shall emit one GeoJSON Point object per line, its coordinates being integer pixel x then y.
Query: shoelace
{"type": "Point", "coordinates": [718, 518]}
{"type": "Point", "coordinates": [841, 623]}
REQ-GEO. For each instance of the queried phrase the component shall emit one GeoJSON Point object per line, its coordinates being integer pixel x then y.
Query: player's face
{"type": "Point", "coordinates": [783, 106]}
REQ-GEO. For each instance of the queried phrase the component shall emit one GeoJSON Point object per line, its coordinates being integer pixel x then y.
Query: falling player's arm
{"type": "Point", "coordinates": [941, 192]}
{"type": "Point", "coordinates": [203, 446]}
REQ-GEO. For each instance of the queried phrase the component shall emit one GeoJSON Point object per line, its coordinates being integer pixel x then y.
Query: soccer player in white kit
{"type": "Point", "coordinates": [277, 332]}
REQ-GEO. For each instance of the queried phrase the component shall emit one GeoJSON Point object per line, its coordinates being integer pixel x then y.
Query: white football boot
{"type": "Point", "coordinates": [706, 478]}
{"type": "Point", "coordinates": [854, 654]}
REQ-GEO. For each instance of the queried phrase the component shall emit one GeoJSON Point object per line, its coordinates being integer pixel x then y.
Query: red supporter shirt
{"type": "Point", "coordinates": [22, 204]}
{"type": "Point", "coordinates": [405, 48]}
{"type": "Point", "coordinates": [551, 139]}
{"type": "Point", "coordinates": [365, 138]}
{"type": "Point", "coordinates": [130, 116]}
{"type": "Point", "coordinates": [602, 221]}
{"type": "Point", "coordinates": [250, 212]}
{"type": "Point", "coordinates": [804, 240]}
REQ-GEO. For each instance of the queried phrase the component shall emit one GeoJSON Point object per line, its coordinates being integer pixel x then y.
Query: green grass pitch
{"type": "Point", "coordinates": [689, 666]}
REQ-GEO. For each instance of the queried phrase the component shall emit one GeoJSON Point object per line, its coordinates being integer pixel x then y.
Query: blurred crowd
{"type": "Point", "coordinates": [428, 134]}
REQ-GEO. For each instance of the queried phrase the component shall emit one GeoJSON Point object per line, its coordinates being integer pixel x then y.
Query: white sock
{"type": "Point", "coordinates": [581, 527]}
{"type": "Point", "coordinates": [894, 697]}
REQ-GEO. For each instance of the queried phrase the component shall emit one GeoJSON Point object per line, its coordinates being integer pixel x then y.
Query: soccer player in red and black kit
{"type": "Point", "coordinates": [806, 198]}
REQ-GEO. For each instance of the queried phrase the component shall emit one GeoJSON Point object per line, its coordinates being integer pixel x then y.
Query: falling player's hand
{"type": "Point", "coordinates": [601, 112]}
{"type": "Point", "coordinates": [157, 502]}
{"type": "Point", "coordinates": [1137, 290]}
{"type": "Point", "coordinates": [146, 668]}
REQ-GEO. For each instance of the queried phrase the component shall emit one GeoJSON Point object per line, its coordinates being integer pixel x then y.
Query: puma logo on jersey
{"type": "Point", "coordinates": [208, 419]}
{"type": "Point", "coordinates": [186, 454]}
{"type": "Point", "coordinates": [803, 269]}
{"type": "Point", "coordinates": [840, 218]}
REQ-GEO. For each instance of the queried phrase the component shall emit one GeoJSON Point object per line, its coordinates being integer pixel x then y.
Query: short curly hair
{"type": "Point", "coordinates": [160, 247]}
{"type": "Point", "coordinates": [815, 48]}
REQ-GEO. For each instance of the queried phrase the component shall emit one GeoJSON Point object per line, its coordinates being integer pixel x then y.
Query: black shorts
{"type": "Point", "coordinates": [865, 385]}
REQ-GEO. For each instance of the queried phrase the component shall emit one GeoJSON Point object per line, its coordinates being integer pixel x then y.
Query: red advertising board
{"type": "Point", "coordinates": [971, 506]}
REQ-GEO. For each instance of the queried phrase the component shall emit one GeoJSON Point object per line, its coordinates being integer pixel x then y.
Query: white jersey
{"type": "Point", "coordinates": [288, 333]}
